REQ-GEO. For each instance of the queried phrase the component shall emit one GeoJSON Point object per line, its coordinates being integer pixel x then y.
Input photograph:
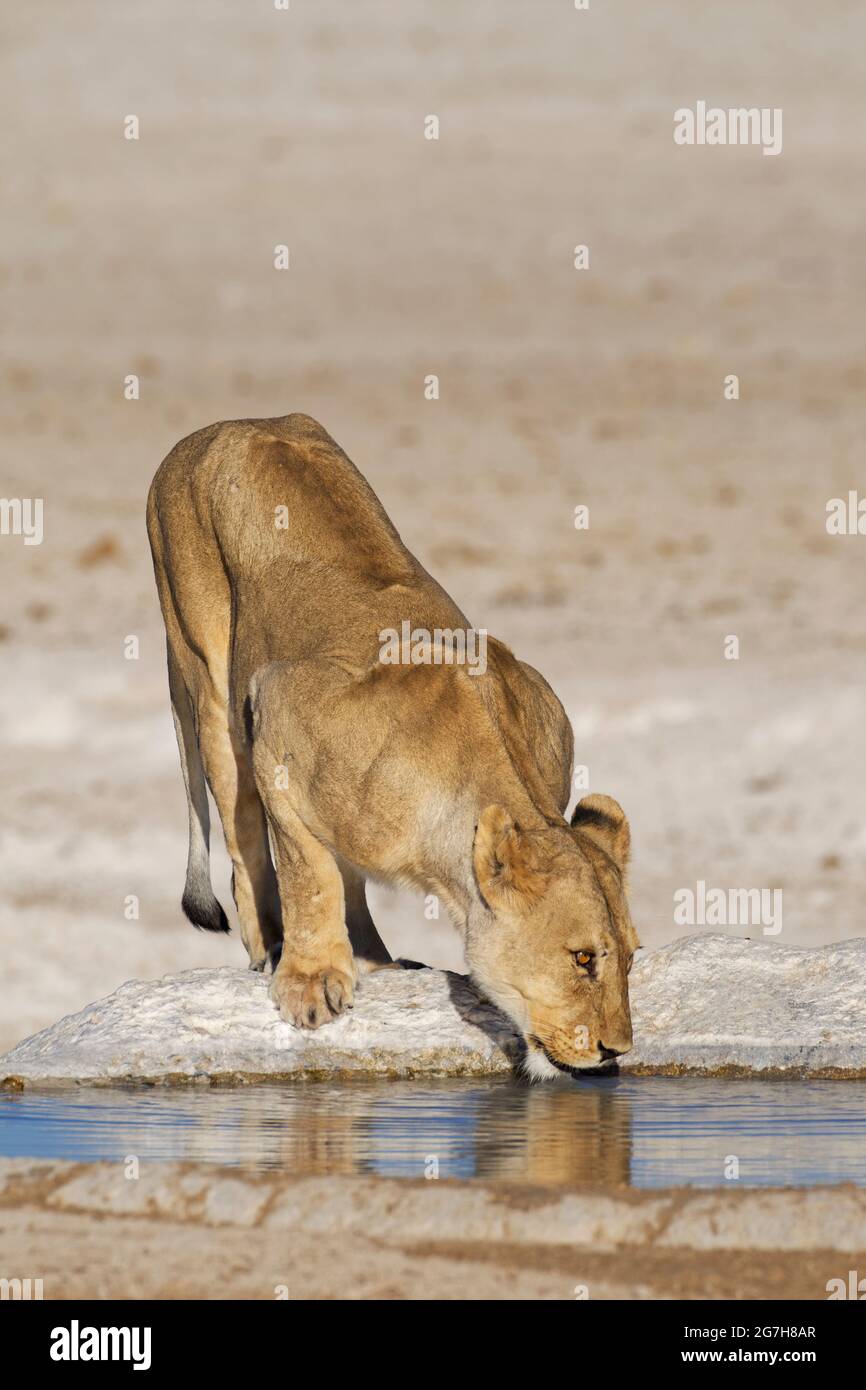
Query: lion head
{"type": "Point", "coordinates": [555, 947]}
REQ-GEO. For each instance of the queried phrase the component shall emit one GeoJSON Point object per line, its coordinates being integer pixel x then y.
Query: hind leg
{"type": "Point", "coordinates": [196, 609]}
{"type": "Point", "coordinates": [369, 949]}
{"type": "Point", "coordinates": [254, 883]}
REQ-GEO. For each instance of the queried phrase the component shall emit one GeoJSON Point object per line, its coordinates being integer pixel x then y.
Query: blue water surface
{"type": "Point", "coordinates": [638, 1131]}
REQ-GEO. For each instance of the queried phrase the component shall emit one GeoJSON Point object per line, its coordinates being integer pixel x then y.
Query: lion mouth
{"type": "Point", "coordinates": [601, 1064]}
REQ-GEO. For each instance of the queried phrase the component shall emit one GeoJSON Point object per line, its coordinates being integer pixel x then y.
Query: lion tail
{"type": "Point", "coordinates": [198, 901]}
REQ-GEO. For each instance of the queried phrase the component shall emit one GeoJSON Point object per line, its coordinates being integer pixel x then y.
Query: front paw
{"type": "Point", "coordinates": [309, 1000]}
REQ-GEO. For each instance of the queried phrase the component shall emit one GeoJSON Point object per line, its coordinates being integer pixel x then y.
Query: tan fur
{"type": "Point", "coordinates": [425, 775]}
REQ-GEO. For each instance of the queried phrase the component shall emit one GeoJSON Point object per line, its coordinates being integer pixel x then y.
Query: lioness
{"type": "Point", "coordinates": [278, 571]}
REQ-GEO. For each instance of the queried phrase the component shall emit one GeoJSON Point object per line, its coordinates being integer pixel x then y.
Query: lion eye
{"type": "Point", "coordinates": [583, 958]}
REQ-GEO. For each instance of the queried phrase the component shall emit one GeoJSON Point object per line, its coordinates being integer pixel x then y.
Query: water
{"type": "Point", "coordinates": [641, 1132]}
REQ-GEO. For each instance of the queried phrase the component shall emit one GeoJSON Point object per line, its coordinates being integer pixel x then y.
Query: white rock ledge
{"type": "Point", "coordinates": [707, 1004]}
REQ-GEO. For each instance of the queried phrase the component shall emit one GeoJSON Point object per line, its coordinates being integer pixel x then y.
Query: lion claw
{"type": "Point", "coordinates": [308, 1001]}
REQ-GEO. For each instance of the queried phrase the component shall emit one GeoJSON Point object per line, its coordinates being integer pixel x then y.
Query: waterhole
{"type": "Point", "coordinates": [640, 1132]}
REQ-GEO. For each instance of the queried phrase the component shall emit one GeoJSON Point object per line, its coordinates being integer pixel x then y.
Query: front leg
{"type": "Point", "coordinates": [315, 979]}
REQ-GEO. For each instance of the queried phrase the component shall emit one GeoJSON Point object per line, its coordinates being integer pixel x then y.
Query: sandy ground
{"type": "Point", "coordinates": [191, 1231]}
{"type": "Point", "coordinates": [140, 1260]}
{"type": "Point", "coordinates": [558, 387]}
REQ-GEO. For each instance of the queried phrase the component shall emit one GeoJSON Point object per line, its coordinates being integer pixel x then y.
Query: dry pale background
{"type": "Point", "coordinates": [412, 257]}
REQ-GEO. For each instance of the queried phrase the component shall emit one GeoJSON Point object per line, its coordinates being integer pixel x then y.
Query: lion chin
{"type": "Point", "coordinates": [540, 1066]}
{"type": "Point", "coordinates": [537, 1066]}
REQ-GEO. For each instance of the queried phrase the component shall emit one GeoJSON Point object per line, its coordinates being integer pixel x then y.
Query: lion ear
{"type": "Point", "coordinates": [501, 859]}
{"type": "Point", "coordinates": [602, 820]}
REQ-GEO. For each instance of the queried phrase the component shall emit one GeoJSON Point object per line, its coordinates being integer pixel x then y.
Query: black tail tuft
{"type": "Point", "coordinates": [204, 912]}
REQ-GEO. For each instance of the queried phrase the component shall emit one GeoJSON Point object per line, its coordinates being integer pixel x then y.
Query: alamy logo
{"type": "Point", "coordinates": [854, 1288]}
{"type": "Point", "coordinates": [77, 1343]}
{"type": "Point", "coordinates": [846, 517]}
{"type": "Point", "coordinates": [442, 647]}
{"type": "Point", "coordinates": [22, 516]}
{"type": "Point", "coordinates": [20, 1290]}
{"type": "Point", "coordinates": [729, 907]}
{"type": "Point", "coordinates": [739, 125]}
